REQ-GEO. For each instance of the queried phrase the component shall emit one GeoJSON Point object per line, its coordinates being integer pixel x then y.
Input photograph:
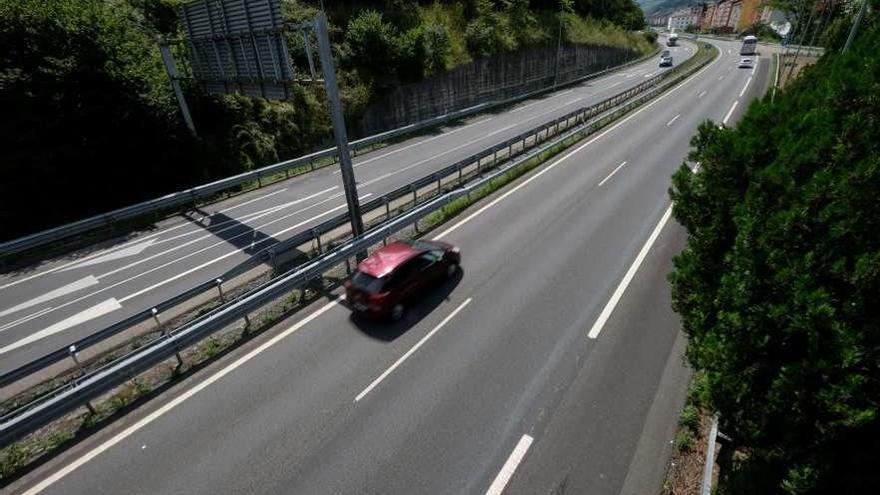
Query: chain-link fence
{"type": "Point", "coordinates": [495, 78]}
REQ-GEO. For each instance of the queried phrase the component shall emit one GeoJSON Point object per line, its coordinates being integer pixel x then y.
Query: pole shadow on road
{"type": "Point", "coordinates": [423, 305]}
{"type": "Point", "coordinates": [238, 234]}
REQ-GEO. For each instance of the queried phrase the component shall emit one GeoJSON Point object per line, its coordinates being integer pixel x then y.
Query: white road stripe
{"type": "Point", "coordinates": [129, 243]}
{"type": "Point", "coordinates": [26, 318]}
{"type": "Point", "coordinates": [133, 250]}
{"type": "Point", "coordinates": [227, 255]}
{"type": "Point", "coordinates": [701, 94]}
{"type": "Point", "coordinates": [201, 250]}
{"type": "Point", "coordinates": [570, 153]}
{"type": "Point", "coordinates": [100, 309]}
{"type": "Point", "coordinates": [721, 77]}
{"type": "Point", "coordinates": [627, 278]}
{"type": "Point", "coordinates": [409, 353]}
{"type": "Point", "coordinates": [88, 456]}
{"type": "Point", "coordinates": [516, 457]}
{"type": "Point", "coordinates": [749, 81]}
{"type": "Point", "coordinates": [730, 112]}
{"type": "Point", "coordinates": [612, 173]}
{"type": "Point", "coordinates": [527, 106]}
{"type": "Point", "coordinates": [673, 120]}
{"type": "Point", "coordinates": [236, 223]}
{"type": "Point", "coordinates": [61, 291]}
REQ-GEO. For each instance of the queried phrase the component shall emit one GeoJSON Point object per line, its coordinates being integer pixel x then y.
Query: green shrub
{"type": "Point", "coordinates": [438, 48]}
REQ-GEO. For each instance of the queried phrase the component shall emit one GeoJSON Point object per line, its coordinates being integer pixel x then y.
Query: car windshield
{"type": "Point", "coordinates": [368, 283]}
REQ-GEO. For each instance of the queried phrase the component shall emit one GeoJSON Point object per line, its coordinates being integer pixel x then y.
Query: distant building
{"type": "Point", "coordinates": [681, 19]}
{"type": "Point", "coordinates": [659, 19]}
{"type": "Point", "coordinates": [708, 16]}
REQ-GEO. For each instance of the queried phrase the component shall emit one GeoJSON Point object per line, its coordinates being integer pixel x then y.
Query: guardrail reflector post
{"type": "Point", "coordinates": [219, 283]}
{"type": "Point", "coordinates": [74, 355]}
{"type": "Point", "coordinates": [273, 261]}
{"type": "Point", "coordinates": [317, 236]}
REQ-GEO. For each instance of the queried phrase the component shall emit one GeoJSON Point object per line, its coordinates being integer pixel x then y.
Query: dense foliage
{"type": "Point", "coordinates": [87, 104]}
{"type": "Point", "coordinates": [779, 284]}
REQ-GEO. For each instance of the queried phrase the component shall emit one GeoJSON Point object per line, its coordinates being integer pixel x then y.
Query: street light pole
{"type": "Point", "coordinates": [348, 181]}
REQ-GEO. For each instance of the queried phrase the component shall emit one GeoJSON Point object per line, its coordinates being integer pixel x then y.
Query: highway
{"type": "Point", "coordinates": [552, 364]}
{"type": "Point", "coordinates": [60, 301]}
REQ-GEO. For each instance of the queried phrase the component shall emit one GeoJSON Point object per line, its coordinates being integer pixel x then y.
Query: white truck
{"type": "Point", "coordinates": [672, 39]}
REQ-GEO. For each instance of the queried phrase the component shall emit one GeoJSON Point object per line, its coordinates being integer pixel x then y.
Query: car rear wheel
{"type": "Point", "coordinates": [397, 312]}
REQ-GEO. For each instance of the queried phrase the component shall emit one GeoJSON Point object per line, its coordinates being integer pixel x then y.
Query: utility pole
{"type": "Point", "coordinates": [348, 182]}
{"type": "Point", "coordinates": [855, 26]}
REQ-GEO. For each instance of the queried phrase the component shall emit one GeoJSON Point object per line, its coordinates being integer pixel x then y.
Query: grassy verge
{"type": "Point", "coordinates": [685, 473]}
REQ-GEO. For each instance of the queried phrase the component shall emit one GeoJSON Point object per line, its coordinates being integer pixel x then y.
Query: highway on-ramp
{"type": "Point", "coordinates": [552, 364]}
{"type": "Point", "coordinates": [60, 301]}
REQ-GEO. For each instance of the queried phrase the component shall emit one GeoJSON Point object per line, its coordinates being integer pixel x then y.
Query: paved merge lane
{"type": "Point", "coordinates": [441, 402]}
{"type": "Point", "coordinates": [65, 300]}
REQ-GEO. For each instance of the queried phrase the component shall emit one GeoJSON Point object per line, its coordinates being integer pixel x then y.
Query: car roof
{"type": "Point", "coordinates": [386, 259]}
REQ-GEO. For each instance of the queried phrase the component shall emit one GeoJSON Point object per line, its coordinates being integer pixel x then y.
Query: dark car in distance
{"type": "Point", "coordinates": [397, 274]}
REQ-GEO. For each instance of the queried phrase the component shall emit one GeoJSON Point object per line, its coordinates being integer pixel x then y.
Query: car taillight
{"type": "Point", "coordinates": [377, 299]}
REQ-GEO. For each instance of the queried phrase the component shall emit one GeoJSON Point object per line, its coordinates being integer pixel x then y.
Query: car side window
{"type": "Point", "coordinates": [405, 272]}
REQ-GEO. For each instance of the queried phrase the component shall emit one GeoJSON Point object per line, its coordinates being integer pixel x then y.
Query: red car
{"type": "Point", "coordinates": [393, 276]}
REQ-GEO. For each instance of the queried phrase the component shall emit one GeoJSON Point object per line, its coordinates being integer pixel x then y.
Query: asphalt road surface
{"type": "Point", "coordinates": [552, 364]}
{"type": "Point", "coordinates": [60, 301]}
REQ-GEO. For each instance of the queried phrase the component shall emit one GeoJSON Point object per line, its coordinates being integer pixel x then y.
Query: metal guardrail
{"type": "Point", "coordinates": [189, 196]}
{"type": "Point", "coordinates": [706, 487]}
{"type": "Point", "coordinates": [57, 403]}
{"type": "Point", "coordinates": [309, 235]}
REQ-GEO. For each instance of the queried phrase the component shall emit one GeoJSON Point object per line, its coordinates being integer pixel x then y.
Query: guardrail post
{"type": "Point", "coordinates": [459, 172]}
{"type": "Point", "coordinates": [219, 283]}
{"type": "Point", "coordinates": [75, 356]}
{"type": "Point", "coordinates": [312, 163]}
{"type": "Point", "coordinates": [273, 261]}
{"type": "Point", "coordinates": [347, 266]}
{"type": "Point", "coordinates": [438, 184]}
{"type": "Point", "coordinates": [317, 237]}
{"type": "Point", "coordinates": [413, 189]}
{"type": "Point", "coordinates": [387, 207]}
{"type": "Point", "coordinates": [163, 331]}
{"type": "Point", "coordinates": [259, 180]}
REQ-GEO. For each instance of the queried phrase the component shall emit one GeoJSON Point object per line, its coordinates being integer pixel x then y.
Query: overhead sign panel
{"type": "Point", "coordinates": [238, 46]}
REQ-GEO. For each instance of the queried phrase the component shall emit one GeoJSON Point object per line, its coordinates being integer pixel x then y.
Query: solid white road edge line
{"type": "Point", "coordinates": [88, 456]}
{"type": "Point", "coordinates": [730, 112]}
{"type": "Point", "coordinates": [572, 152]}
{"type": "Point", "coordinates": [509, 467]}
{"type": "Point", "coordinates": [627, 278]}
{"type": "Point", "coordinates": [749, 81]}
{"type": "Point", "coordinates": [612, 173]}
{"type": "Point", "coordinates": [414, 348]}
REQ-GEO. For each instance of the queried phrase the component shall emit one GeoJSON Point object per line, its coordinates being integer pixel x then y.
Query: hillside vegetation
{"type": "Point", "coordinates": [779, 284]}
{"type": "Point", "coordinates": [90, 122]}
